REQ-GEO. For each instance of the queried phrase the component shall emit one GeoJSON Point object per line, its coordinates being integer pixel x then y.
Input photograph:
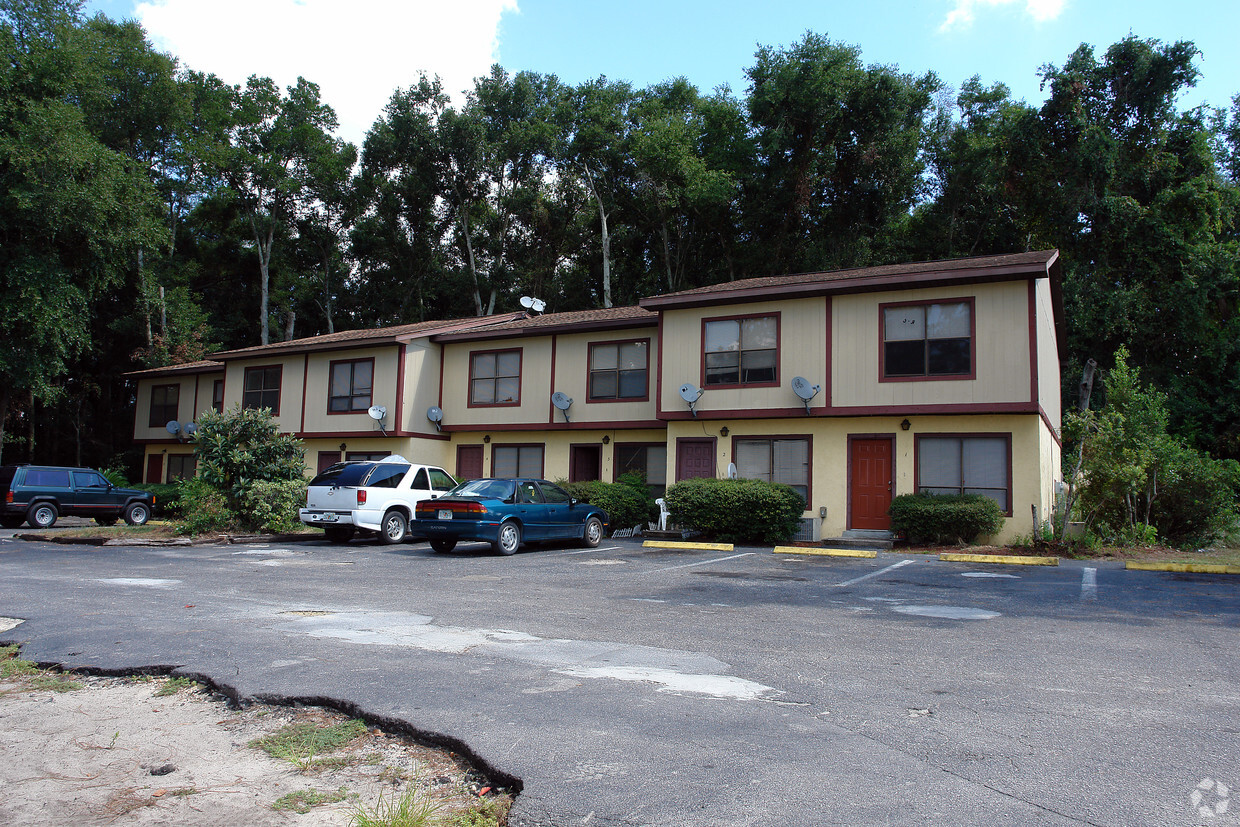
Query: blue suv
{"type": "Point", "coordinates": [40, 494]}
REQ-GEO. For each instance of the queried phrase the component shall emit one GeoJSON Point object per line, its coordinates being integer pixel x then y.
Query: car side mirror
{"type": "Point", "coordinates": [572, 501]}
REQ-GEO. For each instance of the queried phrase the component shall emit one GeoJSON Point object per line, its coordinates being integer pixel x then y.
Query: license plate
{"type": "Point", "coordinates": [324, 518]}
{"type": "Point", "coordinates": [444, 514]}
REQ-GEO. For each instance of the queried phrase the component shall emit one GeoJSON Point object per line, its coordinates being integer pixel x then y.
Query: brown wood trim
{"type": "Point", "coordinates": [621, 424]}
{"type": "Point", "coordinates": [830, 323]}
{"type": "Point", "coordinates": [279, 385]}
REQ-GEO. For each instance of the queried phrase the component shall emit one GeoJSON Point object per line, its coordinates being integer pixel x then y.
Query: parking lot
{"type": "Point", "coordinates": [632, 685]}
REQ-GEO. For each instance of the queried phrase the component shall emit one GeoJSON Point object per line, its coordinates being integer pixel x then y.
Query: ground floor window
{"type": "Point", "coordinates": [181, 467]}
{"type": "Point", "coordinates": [365, 456]}
{"type": "Point", "coordinates": [517, 461]}
{"type": "Point", "coordinates": [775, 459]}
{"type": "Point", "coordinates": [966, 465]}
{"type": "Point", "coordinates": [649, 460]}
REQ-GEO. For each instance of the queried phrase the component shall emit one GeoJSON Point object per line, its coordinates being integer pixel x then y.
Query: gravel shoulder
{"type": "Point", "coordinates": [88, 750]}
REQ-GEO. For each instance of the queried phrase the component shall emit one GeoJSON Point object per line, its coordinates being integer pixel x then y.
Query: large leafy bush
{"type": "Point", "coordinates": [626, 502]}
{"type": "Point", "coordinates": [944, 518]}
{"type": "Point", "coordinates": [738, 511]}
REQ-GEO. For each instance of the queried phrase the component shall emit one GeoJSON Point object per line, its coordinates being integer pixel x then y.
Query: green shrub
{"type": "Point", "coordinates": [271, 505]}
{"type": "Point", "coordinates": [204, 508]}
{"type": "Point", "coordinates": [1198, 503]}
{"type": "Point", "coordinates": [626, 506]}
{"type": "Point", "coordinates": [737, 511]}
{"type": "Point", "coordinates": [167, 497]}
{"type": "Point", "coordinates": [242, 446]}
{"type": "Point", "coordinates": [944, 518]}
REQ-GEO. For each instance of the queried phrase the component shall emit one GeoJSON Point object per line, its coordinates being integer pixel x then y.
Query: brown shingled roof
{"type": "Point", "coordinates": [573, 320]}
{"type": "Point", "coordinates": [204, 366]}
{"type": "Point", "coordinates": [862, 279]}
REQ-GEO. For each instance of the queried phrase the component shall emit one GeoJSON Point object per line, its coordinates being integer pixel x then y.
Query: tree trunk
{"type": "Point", "coordinates": [5, 396]}
{"type": "Point", "coordinates": [469, 253]}
{"type": "Point", "coordinates": [327, 290]}
{"type": "Point", "coordinates": [264, 269]}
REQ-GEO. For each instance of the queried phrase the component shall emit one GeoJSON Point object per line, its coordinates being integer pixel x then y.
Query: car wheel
{"type": "Point", "coordinates": [593, 533]}
{"type": "Point", "coordinates": [443, 546]}
{"type": "Point", "coordinates": [339, 534]}
{"type": "Point", "coordinates": [394, 528]}
{"type": "Point", "coordinates": [137, 513]}
{"type": "Point", "coordinates": [509, 539]}
{"type": "Point", "coordinates": [42, 515]}
{"type": "Point", "coordinates": [12, 520]}
{"type": "Point", "coordinates": [106, 520]}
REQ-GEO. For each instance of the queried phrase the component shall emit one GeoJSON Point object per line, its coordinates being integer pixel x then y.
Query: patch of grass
{"type": "Point", "coordinates": [303, 801]}
{"type": "Point", "coordinates": [183, 792]}
{"type": "Point", "coordinates": [12, 666]}
{"type": "Point", "coordinates": [31, 676]}
{"type": "Point", "coordinates": [492, 812]}
{"type": "Point", "coordinates": [300, 743]}
{"type": "Point", "coordinates": [174, 685]}
{"type": "Point", "coordinates": [412, 809]}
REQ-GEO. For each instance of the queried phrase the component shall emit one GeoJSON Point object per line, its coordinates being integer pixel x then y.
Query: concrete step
{"type": "Point", "coordinates": [874, 543]}
{"type": "Point", "coordinates": [866, 534]}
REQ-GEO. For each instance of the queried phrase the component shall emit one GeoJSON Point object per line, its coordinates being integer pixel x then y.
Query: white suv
{"type": "Point", "coordinates": [373, 496]}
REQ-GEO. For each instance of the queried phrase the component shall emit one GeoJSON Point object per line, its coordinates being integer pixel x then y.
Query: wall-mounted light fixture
{"type": "Point", "coordinates": [486, 438]}
{"type": "Point", "coordinates": [343, 447]}
{"type": "Point", "coordinates": [905, 425]}
{"type": "Point", "coordinates": [723, 431]}
{"type": "Point", "coordinates": [606, 439]}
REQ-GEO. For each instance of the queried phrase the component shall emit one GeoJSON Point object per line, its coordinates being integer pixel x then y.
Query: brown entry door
{"type": "Point", "coordinates": [469, 462]}
{"type": "Point", "coordinates": [870, 484]}
{"type": "Point", "coordinates": [585, 463]}
{"type": "Point", "coordinates": [155, 468]}
{"type": "Point", "coordinates": [695, 458]}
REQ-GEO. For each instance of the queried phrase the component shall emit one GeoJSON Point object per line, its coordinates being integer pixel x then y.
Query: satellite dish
{"type": "Point", "coordinates": [563, 402]}
{"type": "Point", "coordinates": [435, 415]}
{"type": "Point", "coordinates": [691, 395]}
{"type": "Point", "coordinates": [803, 389]}
{"type": "Point", "coordinates": [377, 413]}
{"type": "Point", "coordinates": [531, 303]}
{"type": "Point", "coordinates": [191, 428]}
{"type": "Point", "coordinates": [731, 470]}
{"type": "Point", "coordinates": [173, 427]}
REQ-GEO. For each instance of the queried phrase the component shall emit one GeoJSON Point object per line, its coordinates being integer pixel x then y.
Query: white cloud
{"type": "Point", "coordinates": [357, 52]}
{"type": "Point", "coordinates": [962, 15]}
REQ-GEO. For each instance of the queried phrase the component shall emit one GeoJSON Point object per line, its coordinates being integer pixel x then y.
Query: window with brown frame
{"type": "Point", "coordinates": [262, 388]}
{"type": "Point", "coordinates": [648, 460]}
{"type": "Point", "coordinates": [775, 459]}
{"type": "Point", "coordinates": [966, 465]}
{"type": "Point", "coordinates": [741, 351]}
{"type": "Point", "coordinates": [495, 377]}
{"type": "Point", "coordinates": [350, 386]}
{"type": "Point", "coordinates": [509, 461]}
{"type": "Point", "coordinates": [619, 370]}
{"type": "Point", "coordinates": [217, 395]}
{"type": "Point", "coordinates": [164, 400]}
{"type": "Point", "coordinates": [181, 467]}
{"type": "Point", "coordinates": [927, 340]}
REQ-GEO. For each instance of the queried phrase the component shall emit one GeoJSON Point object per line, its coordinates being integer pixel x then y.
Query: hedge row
{"type": "Point", "coordinates": [944, 518]}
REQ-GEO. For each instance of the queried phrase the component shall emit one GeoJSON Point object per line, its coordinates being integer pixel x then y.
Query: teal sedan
{"type": "Point", "coordinates": [507, 513]}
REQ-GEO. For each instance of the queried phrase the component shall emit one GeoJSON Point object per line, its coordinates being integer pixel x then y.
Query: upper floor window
{"type": "Point", "coordinates": [742, 351]}
{"type": "Point", "coordinates": [928, 340]}
{"type": "Point", "coordinates": [966, 465]}
{"type": "Point", "coordinates": [495, 377]}
{"type": "Point", "coordinates": [350, 386]}
{"type": "Point", "coordinates": [163, 404]}
{"type": "Point", "coordinates": [217, 395]}
{"type": "Point", "coordinates": [775, 460]}
{"type": "Point", "coordinates": [619, 370]}
{"type": "Point", "coordinates": [262, 388]}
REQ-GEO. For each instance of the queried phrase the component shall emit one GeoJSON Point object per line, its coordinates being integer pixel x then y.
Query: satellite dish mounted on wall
{"type": "Point", "coordinates": [191, 428]}
{"type": "Point", "coordinates": [377, 413]}
{"type": "Point", "coordinates": [531, 303]}
{"type": "Point", "coordinates": [563, 402]}
{"type": "Point", "coordinates": [435, 415]}
{"type": "Point", "coordinates": [803, 389]}
{"type": "Point", "coordinates": [173, 427]}
{"type": "Point", "coordinates": [691, 395]}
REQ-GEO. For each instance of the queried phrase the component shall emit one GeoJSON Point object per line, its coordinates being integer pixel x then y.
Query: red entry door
{"type": "Point", "coordinates": [695, 458]}
{"type": "Point", "coordinates": [585, 463]}
{"type": "Point", "coordinates": [155, 468]}
{"type": "Point", "coordinates": [469, 462]}
{"type": "Point", "coordinates": [870, 484]}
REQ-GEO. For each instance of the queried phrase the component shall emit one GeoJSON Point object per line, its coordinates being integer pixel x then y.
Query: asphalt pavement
{"type": "Point", "coordinates": [635, 686]}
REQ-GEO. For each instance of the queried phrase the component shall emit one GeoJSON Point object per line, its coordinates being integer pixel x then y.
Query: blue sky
{"type": "Point", "coordinates": [361, 55]}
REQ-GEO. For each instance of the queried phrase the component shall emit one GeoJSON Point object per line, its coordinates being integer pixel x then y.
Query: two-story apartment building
{"type": "Point", "coordinates": [851, 386]}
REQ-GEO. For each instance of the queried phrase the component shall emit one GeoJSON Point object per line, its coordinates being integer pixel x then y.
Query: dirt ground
{"type": "Point", "coordinates": [116, 751]}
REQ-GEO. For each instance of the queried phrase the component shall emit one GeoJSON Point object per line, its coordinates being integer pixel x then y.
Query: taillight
{"type": "Point", "coordinates": [361, 496]}
{"type": "Point", "coordinates": [8, 496]}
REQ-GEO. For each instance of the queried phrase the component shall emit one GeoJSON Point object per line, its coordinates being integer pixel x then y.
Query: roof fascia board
{"type": "Point", "coordinates": [547, 330]}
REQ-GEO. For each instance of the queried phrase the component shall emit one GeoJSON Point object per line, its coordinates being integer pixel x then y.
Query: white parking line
{"type": "Point", "coordinates": [588, 550]}
{"type": "Point", "coordinates": [701, 563]}
{"type": "Point", "coordinates": [874, 573]}
{"type": "Point", "coordinates": [1089, 584]}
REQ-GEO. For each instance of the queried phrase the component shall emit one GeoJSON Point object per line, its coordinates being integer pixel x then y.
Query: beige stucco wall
{"type": "Point", "coordinates": [1049, 388]}
{"type": "Point", "coordinates": [1001, 347]}
{"type": "Point", "coordinates": [535, 403]}
{"type": "Point", "coordinates": [318, 377]}
{"type": "Point", "coordinates": [291, 384]}
{"type": "Point", "coordinates": [802, 352]}
{"type": "Point", "coordinates": [572, 369]}
{"type": "Point", "coordinates": [421, 386]}
{"type": "Point", "coordinates": [186, 409]}
{"type": "Point", "coordinates": [1034, 457]}
{"type": "Point", "coordinates": [556, 446]}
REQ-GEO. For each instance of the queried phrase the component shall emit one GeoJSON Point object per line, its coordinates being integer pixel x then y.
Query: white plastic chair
{"type": "Point", "coordinates": [663, 513]}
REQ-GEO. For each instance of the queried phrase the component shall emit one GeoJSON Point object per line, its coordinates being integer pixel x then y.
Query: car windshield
{"type": "Point", "coordinates": [343, 473]}
{"type": "Point", "coordinates": [488, 489]}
